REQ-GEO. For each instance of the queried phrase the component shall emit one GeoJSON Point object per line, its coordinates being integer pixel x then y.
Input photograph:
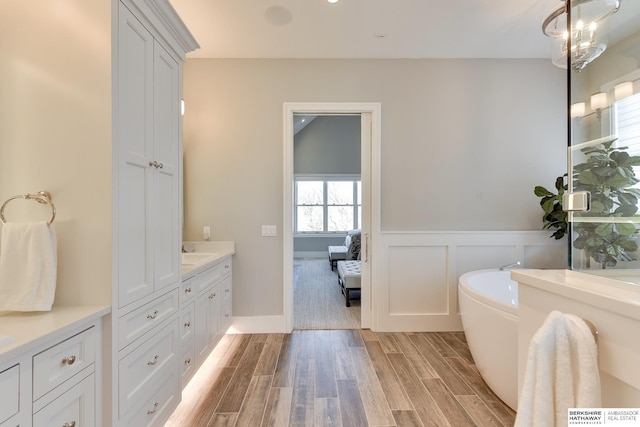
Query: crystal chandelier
{"type": "Point", "coordinates": [585, 39]}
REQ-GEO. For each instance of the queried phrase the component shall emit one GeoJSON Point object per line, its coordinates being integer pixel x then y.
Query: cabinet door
{"type": "Point", "coordinates": [166, 136]}
{"type": "Point", "coordinates": [134, 152]}
{"type": "Point", "coordinates": [76, 407]}
{"type": "Point", "coordinates": [206, 318]}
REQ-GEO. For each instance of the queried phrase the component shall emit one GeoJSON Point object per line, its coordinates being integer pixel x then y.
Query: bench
{"type": "Point", "coordinates": [349, 273]}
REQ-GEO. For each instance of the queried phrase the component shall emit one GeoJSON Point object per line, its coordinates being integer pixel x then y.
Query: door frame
{"type": "Point", "coordinates": [370, 140]}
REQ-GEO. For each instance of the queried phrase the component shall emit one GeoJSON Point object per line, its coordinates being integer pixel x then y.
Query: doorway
{"type": "Point", "coordinates": [370, 166]}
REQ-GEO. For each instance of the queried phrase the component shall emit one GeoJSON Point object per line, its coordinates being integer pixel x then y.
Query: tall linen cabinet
{"type": "Point", "coordinates": [149, 45]}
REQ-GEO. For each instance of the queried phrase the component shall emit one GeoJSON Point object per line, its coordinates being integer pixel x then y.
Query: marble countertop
{"type": "Point", "coordinates": [217, 250]}
{"type": "Point", "coordinates": [29, 330]}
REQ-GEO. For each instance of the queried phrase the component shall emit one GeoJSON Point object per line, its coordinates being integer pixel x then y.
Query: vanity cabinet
{"type": "Point", "coordinates": [151, 43]}
{"type": "Point", "coordinates": [206, 313]}
{"type": "Point", "coordinates": [53, 379]}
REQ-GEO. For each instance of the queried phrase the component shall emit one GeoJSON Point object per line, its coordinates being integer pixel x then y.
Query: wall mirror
{"type": "Point", "coordinates": [601, 51]}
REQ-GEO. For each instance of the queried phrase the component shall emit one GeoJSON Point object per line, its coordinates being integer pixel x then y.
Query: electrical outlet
{"type": "Point", "coordinates": [206, 232]}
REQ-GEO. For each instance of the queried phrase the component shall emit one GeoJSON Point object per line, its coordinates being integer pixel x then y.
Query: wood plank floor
{"type": "Point", "coordinates": [340, 378]}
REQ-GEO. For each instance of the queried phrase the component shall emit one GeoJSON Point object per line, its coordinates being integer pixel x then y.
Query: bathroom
{"type": "Point", "coordinates": [462, 143]}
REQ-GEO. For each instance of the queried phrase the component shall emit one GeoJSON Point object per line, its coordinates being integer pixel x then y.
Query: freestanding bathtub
{"type": "Point", "coordinates": [489, 307]}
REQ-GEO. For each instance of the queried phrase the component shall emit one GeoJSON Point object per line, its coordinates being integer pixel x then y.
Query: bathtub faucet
{"type": "Point", "coordinates": [510, 266]}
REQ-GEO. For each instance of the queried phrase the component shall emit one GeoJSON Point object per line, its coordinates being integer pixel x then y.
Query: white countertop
{"type": "Point", "coordinates": [217, 250]}
{"type": "Point", "coordinates": [614, 295]}
{"type": "Point", "coordinates": [30, 329]}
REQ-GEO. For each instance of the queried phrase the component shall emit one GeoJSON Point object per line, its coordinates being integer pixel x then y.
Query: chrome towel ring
{"type": "Point", "coordinates": [42, 197]}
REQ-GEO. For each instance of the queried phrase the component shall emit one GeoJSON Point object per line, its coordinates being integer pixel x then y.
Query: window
{"type": "Point", "coordinates": [327, 204]}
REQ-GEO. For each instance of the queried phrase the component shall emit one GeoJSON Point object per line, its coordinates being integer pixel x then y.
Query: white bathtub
{"type": "Point", "coordinates": [489, 307]}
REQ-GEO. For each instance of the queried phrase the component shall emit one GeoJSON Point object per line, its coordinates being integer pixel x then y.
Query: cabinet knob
{"type": "Point", "coordinates": [212, 296]}
{"type": "Point", "coordinates": [153, 410]}
{"type": "Point", "coordinates": [187, 290]}
{"type": "Point", "coordinates": [153, 163]}
{"type": "Point", "coordinates": [160, 165]}
{"type": "Point", "coordinates": [187, 325]}
{"type": "Point", "coordinates": [154, 361]}
{"type": "Point", "coordinates": [153, 315]}
{"type": "Point", "coordinates": [69, 424]}
{"type": "Point", "coordinates": [69, 360]}
{"type": "Point", "coordinates": [187, 361]}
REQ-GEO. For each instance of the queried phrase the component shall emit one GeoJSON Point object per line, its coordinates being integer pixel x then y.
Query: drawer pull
{"type": "Point", "coordinates": [187, 325]}
{"type": "Point", "coordinates": [71, 424]}
{"type": "Point", "coordinates": [226, 291]}
{"type": "Point", "coordinates": [154, 361]}
{"type": "Point", "coordinates": [226, 266]}
{"type": "Point", "coordinates": [69, 360]}
{"type": "Point", "coordinates": [187, 361]}
{"type": "Point", "coordinates": [187, 290]}
{"type": "Point", "coordinates": [212, 296]}
{"type": "Point", "coordinates": [152, 411]}
{"type": "Point", "coordinates": [152, 316]}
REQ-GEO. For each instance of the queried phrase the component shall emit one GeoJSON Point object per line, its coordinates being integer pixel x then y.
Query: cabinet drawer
{"type": "Point", "coordinates": [209, 276]}
{"type": "Point", "coordinates": [161, 402]}
{"type": "Point", "coordinates": [188, 289]}
{"type": "Point", "coordinates": [75, 407]}
{"type": "Point", "coordinates": [187, 321]}
{"type": "Point", "coordinates": [134, 324]}
{"type": "Point", "coordinates": [9, 392]}
{"type": "Point", "coordinates": [59, 363]}
{"type": "Point", "coordinates": [141, 371]}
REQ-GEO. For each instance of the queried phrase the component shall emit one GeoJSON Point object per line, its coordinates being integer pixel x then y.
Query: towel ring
{"type": "Point", "coordinates": [42, 197]}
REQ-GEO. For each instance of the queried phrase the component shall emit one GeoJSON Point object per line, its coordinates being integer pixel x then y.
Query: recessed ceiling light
{"type": "Point", "coordinates": [332, 1]}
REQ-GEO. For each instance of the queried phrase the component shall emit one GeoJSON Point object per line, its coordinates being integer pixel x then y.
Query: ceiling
{"type": "Point", "coordinates": [367, 28]}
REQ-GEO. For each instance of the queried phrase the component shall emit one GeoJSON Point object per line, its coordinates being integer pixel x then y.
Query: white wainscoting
{"type": "Point", "coordinates": [415, 274]}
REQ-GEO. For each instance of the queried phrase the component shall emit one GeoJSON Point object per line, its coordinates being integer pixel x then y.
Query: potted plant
{"type": "Point", "coordinates": [607, 174]}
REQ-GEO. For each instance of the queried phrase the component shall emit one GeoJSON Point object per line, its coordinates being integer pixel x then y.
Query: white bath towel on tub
{"type": "Point", "coordinates": [28, 266]}
{"type": "Point", "coordinates": [561, 372]}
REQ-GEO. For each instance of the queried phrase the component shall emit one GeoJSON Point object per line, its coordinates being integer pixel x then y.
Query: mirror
{"type": "Point", "coordinates": [604, 136]}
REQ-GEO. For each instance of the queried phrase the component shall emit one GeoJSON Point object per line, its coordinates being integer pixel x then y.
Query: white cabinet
{"type": "Point", "coordinates": [206, 311]}
{"type": "Point", "coordinates": [148, 156]}
{"type": "Point", "coordinates": [55, 380]}
{"type": "Point", "coordinates": [151, 45]}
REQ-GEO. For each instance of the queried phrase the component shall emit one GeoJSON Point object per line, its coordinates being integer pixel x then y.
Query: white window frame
{"type": "Point", "coordinates": [325, 178]}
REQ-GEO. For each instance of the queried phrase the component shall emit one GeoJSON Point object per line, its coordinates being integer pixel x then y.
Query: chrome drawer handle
{"type": "Point", "coordinates": [152, 316]}
{"type": "Point", "coordinates": [187, 361]}
{"type": "Point", "coordinates": [154, 361]}
{"type": "Point", "coordinates": [69, 360]}
{"type": "Point", "coordinates": [151, 411]}
{"type": "Point", "coordinates": [71, 424]}
{"type": "Point", "coordinates": [187, 325]}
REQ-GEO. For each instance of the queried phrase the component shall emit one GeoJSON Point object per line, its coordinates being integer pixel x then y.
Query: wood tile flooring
{"type": "Point", "coordinates": [341, 378]}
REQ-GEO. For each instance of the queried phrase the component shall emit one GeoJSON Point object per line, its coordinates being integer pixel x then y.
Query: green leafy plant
{"type": "Point", "coordinates": [607, 174]}
{"type": "Point", "coordinates": [551, 203]}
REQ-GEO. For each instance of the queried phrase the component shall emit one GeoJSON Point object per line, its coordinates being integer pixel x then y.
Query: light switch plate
{"type": "Point", "coordinates": [269, 231]}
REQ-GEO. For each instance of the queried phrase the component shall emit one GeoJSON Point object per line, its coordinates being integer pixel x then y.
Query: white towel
{"type": "Point", "coordinates": [28, 266]}
{"type": "Point", "coordinates": [561, 373]}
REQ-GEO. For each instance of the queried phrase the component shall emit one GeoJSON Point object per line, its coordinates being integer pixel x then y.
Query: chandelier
{"type": "Point", "coordinates": [585, 39]}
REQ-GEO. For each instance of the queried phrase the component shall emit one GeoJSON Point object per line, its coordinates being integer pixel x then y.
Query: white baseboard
{"type": "Point", "coordinates": [257, 325]}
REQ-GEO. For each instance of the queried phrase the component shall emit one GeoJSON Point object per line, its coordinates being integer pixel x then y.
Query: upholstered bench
{"type": "Point", "coordinates": [337, 253]}
{"type": "Point", "coordinates": [349, 273]}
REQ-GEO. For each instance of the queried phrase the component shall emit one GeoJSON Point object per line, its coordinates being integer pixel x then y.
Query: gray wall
{"type": "Point", "coordinates": [327, 145]}
{"type": "Point", "coordinates": [463, 144]}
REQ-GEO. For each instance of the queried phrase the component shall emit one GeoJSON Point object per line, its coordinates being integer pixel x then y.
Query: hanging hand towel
{"type": "Point", "coordinates": [28, 267]}
{"type": "Point", "coordinates": [561, 372]}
